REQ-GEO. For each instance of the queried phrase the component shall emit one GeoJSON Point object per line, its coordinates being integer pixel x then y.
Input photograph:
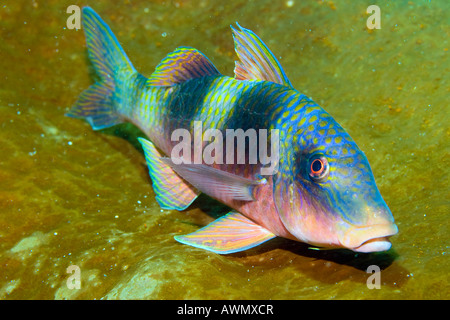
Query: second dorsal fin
{"type": "Point", "coordinates": [181, 65]}
{"type": "Point", "coordinates": [256, 60]}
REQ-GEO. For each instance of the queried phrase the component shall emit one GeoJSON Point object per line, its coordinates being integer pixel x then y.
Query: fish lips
{"type": "Point", "coordinates": [372, 238]}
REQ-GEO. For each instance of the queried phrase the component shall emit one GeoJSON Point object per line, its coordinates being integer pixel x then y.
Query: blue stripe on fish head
{"type": "Point", "coordinates": [331, 190]}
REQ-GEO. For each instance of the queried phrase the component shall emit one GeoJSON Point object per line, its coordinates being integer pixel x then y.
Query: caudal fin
{"type": "Point", "coordinates": [98, 103]}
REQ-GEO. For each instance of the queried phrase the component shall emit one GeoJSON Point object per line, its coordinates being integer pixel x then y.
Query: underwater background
{"type": "Point", "coordinates": [73, 196]}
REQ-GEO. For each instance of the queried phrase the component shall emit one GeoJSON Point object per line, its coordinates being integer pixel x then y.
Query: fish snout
{"type": "Point", "coordinates": [372, 238]}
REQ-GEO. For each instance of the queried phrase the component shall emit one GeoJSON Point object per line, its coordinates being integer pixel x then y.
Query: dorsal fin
{"type": "Point", "coordinates": [181, 65]}
{"type": "Point", "coordinates": [256, 60]}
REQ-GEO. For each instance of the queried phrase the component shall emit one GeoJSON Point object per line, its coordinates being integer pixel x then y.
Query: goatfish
{"type": "Point", "coordinates": [321, 191]}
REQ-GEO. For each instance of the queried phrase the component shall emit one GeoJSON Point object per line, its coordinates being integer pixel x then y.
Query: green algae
{"type": "Point", "coordinates": [72, 196]}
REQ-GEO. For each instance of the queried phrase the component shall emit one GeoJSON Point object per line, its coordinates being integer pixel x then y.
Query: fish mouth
{"type": "Point", "coordinates": [372, 238]}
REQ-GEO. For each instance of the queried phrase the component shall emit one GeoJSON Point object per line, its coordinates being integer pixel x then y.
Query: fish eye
{"type": "Point", "coordinates": [318, 168]}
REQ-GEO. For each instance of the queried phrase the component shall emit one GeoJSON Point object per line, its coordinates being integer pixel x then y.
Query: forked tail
{"type": "Point", "coordinates": [98, 104]}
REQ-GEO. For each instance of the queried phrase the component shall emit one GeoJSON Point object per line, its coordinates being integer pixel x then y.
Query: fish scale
{"type": "Point", "coordinates": [321, 189]}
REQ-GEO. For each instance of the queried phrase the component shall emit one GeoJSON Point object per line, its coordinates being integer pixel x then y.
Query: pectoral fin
{"type": "Point", "coordinates": [216, 183]}
{"type": "Point", "coordinates": [230, 233]}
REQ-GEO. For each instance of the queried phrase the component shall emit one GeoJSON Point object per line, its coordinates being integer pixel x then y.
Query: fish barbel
{"type": "Point", "coordinates": [320, 188]}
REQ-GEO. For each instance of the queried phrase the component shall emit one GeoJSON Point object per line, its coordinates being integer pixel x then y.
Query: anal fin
{"type": "Point", "coordinates": [230, 233]}
{"type": "Point", "coordinates": [172, 191]}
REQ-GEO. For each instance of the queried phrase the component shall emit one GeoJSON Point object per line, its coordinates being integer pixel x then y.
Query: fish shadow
{"type": "Point", "coordinates": [360, 261]}
{"type": "Point", "coordinates": [127, 132]}
{"type": "Point", "coordinates": [327, 266]}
